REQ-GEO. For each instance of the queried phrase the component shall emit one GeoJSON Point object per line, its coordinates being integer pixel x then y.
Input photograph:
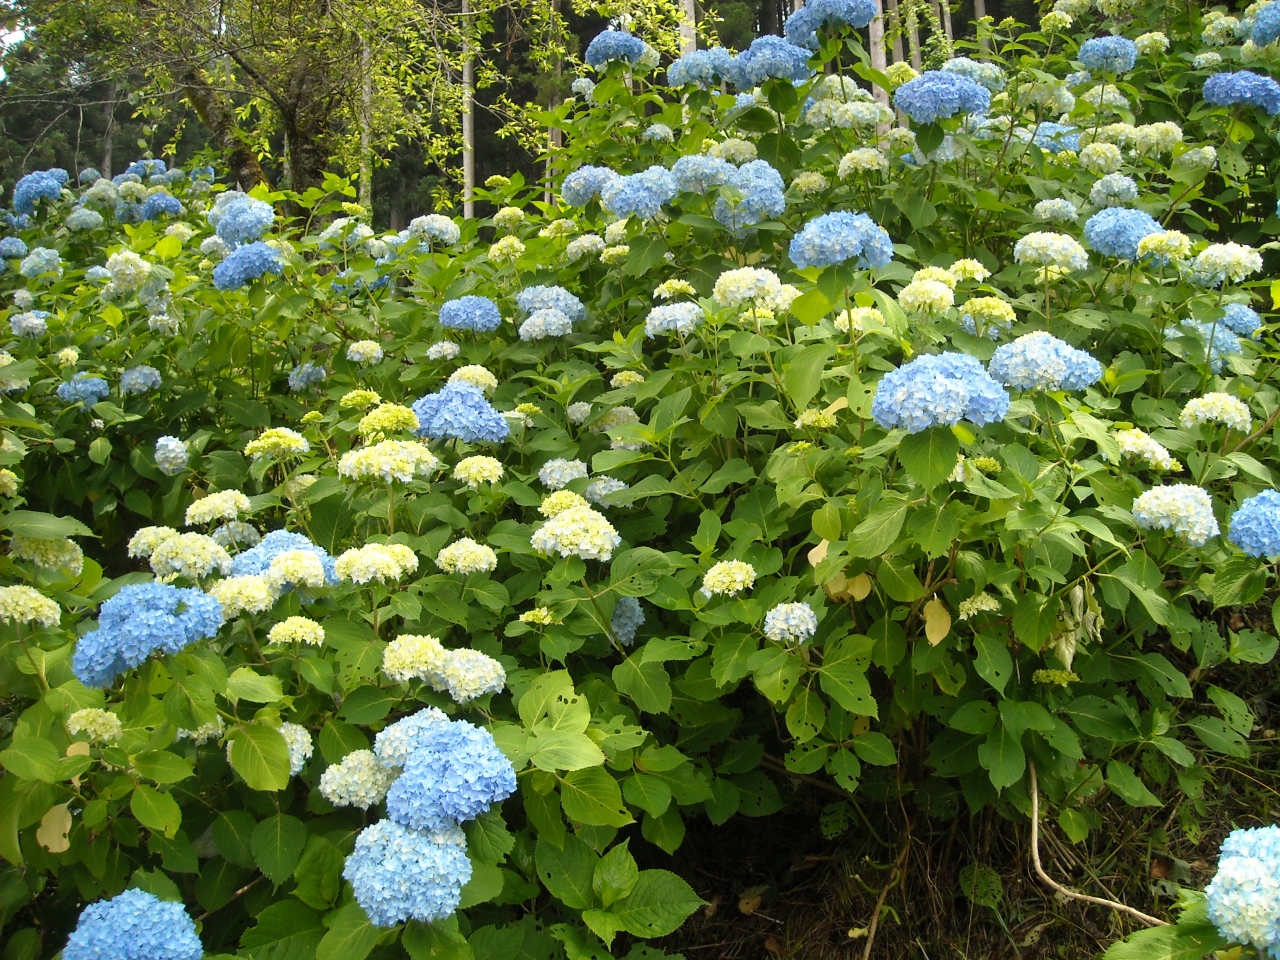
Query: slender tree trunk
{"type": "Point", "coordinates": [366, 124]}
{"type": "Point", "coordinates": [109, 134]}
{"type": "Point", "coordinates": [220, 118]}
{"type": "Point", "coordinates": [689, 26]}
{"type": "Point", "coordinates": [946, 21]}
{"type": "Point", "coordinates": [980, 11]}
{"type": "Point", "coordinates": [554, 136]}
{"type": "Point", "coordinates": [769, 18]}
{"type": "Point", "coordinates": [468, 118]}
{"type": "Point", "coordinates": [895, 28]}
{"type": "Point", "coordinates": [913, 32]}
{"type": "Point", "coordinates": [797, 5]}
{"type": "Point", "coordinates": [876, 30]}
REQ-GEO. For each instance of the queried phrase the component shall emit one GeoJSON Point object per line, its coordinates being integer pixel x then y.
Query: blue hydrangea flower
{"type": "Point", "coordinates": [658, 133]}
{"type": "Point", "coordinates": [11, 248]}
{"type": "Point", "coordinates": [1243, 86]}
{"type": "Point", "coordinates": [1243, 902]}
{"type": "Point", "coordinates": [1266, 25]}
{"type": "Point", "coordinates": [245, 219]}
{"type": "Point", "coordinates": [640, 194]}
{"type": "Point", "coordinates": [1108, 55]}
{"type": "Point", "coordinates": [614, 45]}
{"type": "Point", "coordinates": [584, 184]}
{"type": "Point", "coordinates": [790, 623]}
{"type": "Point", "coordinates": [703, 67]}
{"type": "Point", "coordinates": [171, 456]}
{"type": "Point", "coordinates": [803, 25]}
{"type": "Point", "coordinates": [1115, 232]}
{"type": "Point", "coordinates": [839, 237]}
{"type": "Point", "coordinates": [398, 741]}
{"type": "Point", "coordinates": [83, 388]}
{"type": "Point", "coordinates": [478, 314]}
{"type": "Point", "coordinates": [1113, 190]}
{"type": "Point", "coordinates": [30, 324]}
{"type": "Point", "coordinates": [1255, 528]}
{"type": "Point", "coordinates": [41, 261]}
{"type": "Point", "coordinates": [247, 263]}
{"type": "Point", "coordinates": [160, 205]}
{"type": "Point", "coordinates": [987, 74]}
{"type": "Point", "coordinates": [938, 390]}
{"type": "Point", "coordinates": [89, 176]}
{"type": "Point", "coordinates": [97, 274]}
{"type": "Point", "coordinates": [680, 318]}
{"type": "Point", "coordinates": [82, 218]}
{"type": "Point", "coordinates": [460, 410]}
{"type": "Point", "coordinates": [1040, 361]}
{"type": "Point", "coordinates": [542, 297]}
{"type": "Point", "coordinates": [139, 620]}
{"type": "Point", "coordinates": [1220, 343]}
{"type": "Point", "coordinates": [755, 192]}
{"type": "Point", "coordinates": [120, 178]}
{"type": "Point", "coordinates": [134, 926]}
{"type": "Point", "coordinates": [1243, 320]}
{"type": "Point", "coordinates": [936, 94]}
{"type": "Point", "coordinates": [304, 375]}
{"type": "Point", "coordinates": [628, 617]}
{"type": "Point", "coordinates": [41, 185]}
{"type": "Point", "coordinates": [145, 168]}
{"type": "Point", "coordinates": [547, 322]}
{"type": "Point", "coordinates": [1057, 137]}
{"type": "Point", "coordinates": [400, 874]}
{"type": "Point", "coordinates": [127, 212]}
{"type": "Point", "coordinates": [698, 172]}
{"type": "Point", "coordinates": [456, 774]}
{"type": "Point", "coordinates": [767, 57]}
{"type": "Point", "coordinates": [257, 559]}
{"type": "Point", "coordinates": [1261, 843]}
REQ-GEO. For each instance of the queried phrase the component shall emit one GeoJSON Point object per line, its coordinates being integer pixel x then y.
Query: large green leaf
{"type": "Point", "coordinates": [646, 683]}
{"type": "Point", "coordinates": [42, 526]}
{"type": "Point", "coordinates": [657, 905]}
{"type": "Point", "coordinates": [1002, 757]}
{"type": "Point", "coordinates": [286, 930]}
{"type": "Point", "coordinates": [155, 810]}
{"type": "Point", "coordinates": [351, 936]}
{"type": "Point", "coordinates": [591, 796]}
{"type": "Point", "coordinates": [803, 375]}
{"type": "Point", "coordinates": [567, 871]}
{"type": "Point", "coordinates": [260, 755]}
{"type": "Point", "coordinates": [319, 874]}
{"type": "Point", "coordinates": [33, 758]}
{"type": "Point", "coordinates": [277, 845]}
{"type": "Point", "coordinates": [929, 456]}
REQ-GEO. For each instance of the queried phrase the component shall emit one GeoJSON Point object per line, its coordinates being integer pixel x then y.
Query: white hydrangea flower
{"type": "Point", "coordinates": [251, 593]}
{"type": "Point", "coordinates": [376, 561]}
{"type": "Point", "coordinates": [578, 531]}
{"type": "Point", "coordinates": [101, 725]}
{"type": "Point", "coordinates": [1217, 408]}
{"type": "Point", "coordinates": [728, 578]}
{"type": "Point", "coordinates": [474, 471]}
{"type": "Point", "coordinates": [412, 656]}
{"type": "Point", "coordinates": [297, 631]}
{"type": "Point", "coordinates": [360, 780]}
{"type": "Point", "coordinates": [190, 555]}
{"type": "Point", "coordinates": [466, 556]}
{"type": "Point", "coordinates": [301, 746]}
{"type": "Point", "coordinates": [223, 505]}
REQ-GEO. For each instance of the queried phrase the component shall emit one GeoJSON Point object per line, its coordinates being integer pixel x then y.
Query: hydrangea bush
{"type": "Point", "coordinates": [386, 594]}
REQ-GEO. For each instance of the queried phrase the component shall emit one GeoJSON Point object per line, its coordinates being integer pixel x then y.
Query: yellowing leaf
{"type": "Point", "coordinates": [78, 749]}
{"type": "Point", "coordinates": [937, 621]}
{"type": "Point", "coordinates": [840, 403]}
{"type": "Point", "coordinates": [837, 589]}
{"type": "Point", "coordinates": [54, 827]}
{"type": "Point", "coordinates": [818, 553]}
{"type": "Point", "coordinates": [860, 587]}
{"type": "Point", "coordinates": [861, 726]}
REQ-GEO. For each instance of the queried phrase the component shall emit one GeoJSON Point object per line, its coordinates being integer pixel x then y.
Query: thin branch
{"type": "Point", "coordinates": [1049, 881]}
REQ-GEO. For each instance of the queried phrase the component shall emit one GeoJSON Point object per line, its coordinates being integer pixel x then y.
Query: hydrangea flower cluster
{"type": "Point", "coordinates": [1243, 899]}
{"type": "Point", "coordinates": [728, 578]}
{"type": "Point", "coordinates": [247, 263]}
{"type": "Point", "coordinates": [769, 56]}
{"type": "Point", "coordinates": [1108, 55]}
{"type": "Point", "coordinates": [1242, 320]}
{"type": "Point", "coordinates": [988, 75]}
{"type": "Point", "coordinates": [578, 531]}
{"type": "Point", "coordinates": [678, 318]}
{"type": "Point", "coordinates": [261, 558]}
{"type": "Point", "coordinates": [376, 561]}
{"type": "Point", "coordinates": [937, 94]}
{"type": "Point", "coordinates": [34, 187]}
{"type": "Point", "coordinates": [460, 410]}
{"type": "Point", "coordinates": [1180, 508]}
{"type": "Point", "coordinates": [1116, 231]}
{"type": "Point", "coordinates": [1243, 87]}
{"type": "Point", "coordinates": [758, 193]}
{"type": "Point", "coordinates": [140, 379]}
{"type": "Point", "coordinates": [136, 925]}
{"type": "Point", "coordinates": [533, 299]}
{"type": "Point", "coordinates": [611, 45]}
{"type": "Point", "coordinates": [802, 26]}
{"type": "Point", "coordinates": [703, 67]}
{"type": "Point", "coordinates": [1219, 343]}
{"type": "Point", "coordinates": [1040, 361]}
{"type": "Point", "coordinates": [477, 314]}
{"type": "Point", "coordinates": [938, 390]}
{"type": "Point", "coordinates": [835, 238]}
{"type": "Point", "coordinates": [1051, 250]}
{"type": "Point", "coordinates": [1216, 408]}
{"type": "Point", "coordinates": [1255, 527]}
{"type": "Point", "coordinates": [640, 194]}
{"type": "Point", "coordinates": [83, 388]}
{"type": "Point", "coordinates": [790, 623]}
{"type": "Point", "coordinates": [627, 619]}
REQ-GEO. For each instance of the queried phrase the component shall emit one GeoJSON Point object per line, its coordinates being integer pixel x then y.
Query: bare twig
{"type": "Point", "coordinates": [884, 894]}
{"type": "Point", "coordinates": [1049, 881]}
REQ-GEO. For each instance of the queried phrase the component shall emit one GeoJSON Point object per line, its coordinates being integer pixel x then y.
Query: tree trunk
{"type": "Point", "coordinates": [555, 137]}
{"type": "Point", "coordinates": [689, 26]}
{"type": "Point", "coordinates": [894, 24]}
{"type": "Point", "coordinates": [220, 118]}
{"type": "Point", "coordinates": [109, 134]}
{"type": "Point", "coordinates": [468, 119]}
{"type": "Point", "coordinates": [913, 32]}
{"type": "Point", "coordinates": [980, 11]}
{"type": "Point", "coordinates": [876, 30]}
{"type": "Point", "coordinates": [769, 18]}
{"type": "Point", "coordinates": [366, 125]}
{"type": "Point", "coordinates": [946, 22]}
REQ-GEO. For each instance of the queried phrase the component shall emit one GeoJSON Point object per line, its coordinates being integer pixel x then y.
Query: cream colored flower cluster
{"type": "Point", "coordinates": [402, 460]}
{"type": "Point", "coordinates": [376, 561]}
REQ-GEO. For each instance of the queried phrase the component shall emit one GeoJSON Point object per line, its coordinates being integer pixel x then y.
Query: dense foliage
{"type": "Point", "coordinates": [384, 595]}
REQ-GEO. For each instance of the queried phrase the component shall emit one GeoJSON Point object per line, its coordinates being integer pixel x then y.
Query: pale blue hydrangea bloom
{"type": "Point", "coordinates": [1040, 361]}
{"type": "Point", "coordinates": [456, 774]}
{"type": "Point", "coordinates": [136, 925]}
{"type": "Point", "coordinates": [1241, 319]}
{"type": "Point", "coordinates": [1180, 508]}
{"type": "Point", "coordinates": [937, 94]}
{"type": "Point", "coordinates": [1108, 55]}
{"type": "Point", "coordinates": [40, 261]}
{"type": "Point", "coordinates": [236, 533]}
{"type": "Point", "coordinates": [542, 297]}
{"type": "Point", "coordinates": [247, 263]}
{"type": "Point", "coordinates": [257, 559]}
{"type": "Point", "coordinates": [790, 623]}
{"type": "Point", "coordinates": [171, 456]}
{"type": "Point", "coordinates": [1056, 210]}
{"type": "Point", "coordinates": [680, 318]}
{"type": "Point", "coordinates": [988, 74]}
{"type": "Point", "coordinates": [640, 194]}
{"type": "Point", "coordinates": [245, 219]}
{"type": "Point", "coordinates": [544, 323]}
{"type": "Point", "coordinates": [11, 248]}
{"type": "Point", "coordinates": [1266, 25]}
{"type": "Point", "coordinates": [139, 620]}
{"type": "Point", "coordinates": [1255, 527]}
{"type": "Point", "coordinates": [658, 133]}
{"type": "Point", "coordinates": [598, 489]}
{"type": "Point", "coordinates": [703, 67]}
{"type": "Point", "coordinates": [160, 205]}
{"type": "Point", "coordinates": [1054, 138]}
{"type": "Point", "coordinates": [556, 474]}
{"type": "Point", "coordinates": [83, 388]}
{"type": "Point", "coordinates": [89, 176]}
{"type": "Point", "coordinates": [1243, 87]}
{"type": "Point", "coordinates": [614, 45]}
{"type": "Point", "coordinates": [304, 375]}
{"type": "Point", "coordinates": [41, 185]}
{"type": "Point", "coordinates": [584, 184]}
{"type": "Point", "coordinates": [1113, 190]}
{"type": "Point", "coordinates": [698, 172]}
{"type": "Point", "coordinates": [30, 324]}
{"type": "Point", "coordinates": [146, 167]}
{"type": "Point", "coordinates": [938, 390]}
{"type": "Point", "coordinates": [398, 741]}
{"type": "Point", "coordinates": [802, 26]}
{"type": "Point", "coordinates": [1115, 232]}
{"type": "Point", "coordinates": [767, 57]}
{"type": "Point", "coordinates": [1219, 341]}
{"type": "Point", "coordinates": [1262, 843]}
{"type": "Point", "coordinates": [82, 218]}
{"type": "Point", "coordinates": [460, 410]}
{"type": "Point", "coordinates": [97, 274]}
{"type": "Point", "coordinates": [139, 379]}
{"type": "Point", "coordinates": [839, 237]}
{"type": "Point", "coordinates": [479, 314]}
{"type": "Point", "coordinates": [583, 87]}
{"type": "Point", "coordinates": [758, 193]}
{"type": "Point", "coordinates": [400, 874]}
{"type": "Point", "coordinates": [628, 617]}
{"type": "Point", "coordinates": [436, 228]}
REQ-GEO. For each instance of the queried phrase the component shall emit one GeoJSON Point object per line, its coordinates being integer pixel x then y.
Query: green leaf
{"type": "Point", "coordinates": [437, 941]}
{"type": "Point", "coordinates": [809, 308]}
{"type": "Point", "coordinates": [319, 874]}
{"type": "Point", "coordinates": [899, 580]}
{"type": "Point", "coordinates": [485, 885]}
{"type": "Point", "coordinates": [1122, 779]}
{"type": "Point", "coordinates": [651, 794]}
{"type": "Point", "coordinates": [42, 526]}
{"type": "Point", "coordinates": [803, 376]}
{"type": "Point", "coordinates": [1002, 757]}
{"type": "Point", "coordinates": [488, 839]}
{"type": "Point", "coordinates": [875, 748]}
{"type": "Point", "coordinates": [260, 755]}
{"type": "Point", "coordinates": [233, 836]}
{"type": "Point", "coordinates": [806, 715]}
{"type": "Point", "coordinates": [843, 677]}
{"type": "Point", "coordinates": [163, 766]}
{"type": "Point", "coordinates": [1238, 583]}
{"type": "Point", "coordinates": [245, 684]}
{"type": "Point", "coordinates": [657, 905]}
{"type": "Point", "coordinates": [277, 845]}
{"type": "Point", "coordinates": [1033, 619]}
{"type": "Point", "coordinates": [286, 930]}
{"type": "Point", "coordinates": [550, 701]}
{"type": "Point", "coordinates": [568, 872]}
{"type": "Point", "coordinates": [592, 797]}
{"type": "Point", "coordinates": [1168, 943]}
{"type": "Point", "coordinates": [929, 456]}
{"type": "Point", "coordinates": [635, 572]}
{"type": "Point", "coordinates": [876, 534]}
{"type": "Point", "coordinates": [32, 759]}
{"type": "Point", "coordinates": [993, 663]}
{"type": "Point", "coordinates": [647, 684]}
{"type": "Point", "coordinates": [563, 750]}
{"type": "Point", "coordinates": [100, 450]}
{"type": "Point", "coordinates": [351, 936]}
{"type": "Point", "coordinates": [155, 810]}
